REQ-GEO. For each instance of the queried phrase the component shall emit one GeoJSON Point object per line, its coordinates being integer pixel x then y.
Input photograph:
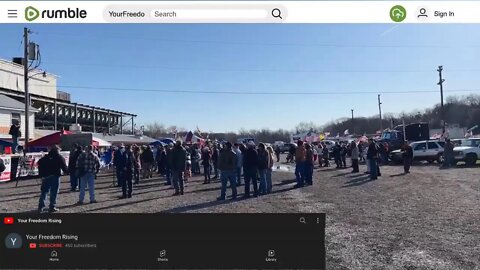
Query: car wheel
{"type": "Point", "coordinates": [430, 161]}
{"type": "Point", "coordinates": [471, 159]}
{"type": "Point", "coordinates": [440, 158]}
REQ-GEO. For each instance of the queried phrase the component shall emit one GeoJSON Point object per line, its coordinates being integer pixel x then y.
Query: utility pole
{"type": "Point", "coordinates": [442, 111]}
{"type": "Point", "coordinates": [380, 112]}
{"type": "Point", "coordinates": [25, 86]}
{"type": "Point", "coordinates": [353, 124]}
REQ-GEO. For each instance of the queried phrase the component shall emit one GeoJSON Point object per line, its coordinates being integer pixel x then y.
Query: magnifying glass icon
{"type": "Point", "coordinates": [277, 13]}
{"type": "Point", "coordinates": [302, 220]}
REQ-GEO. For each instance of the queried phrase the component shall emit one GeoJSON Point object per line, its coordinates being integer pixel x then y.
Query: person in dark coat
{"type": "Point", "coordinates": [51, 181]}
{"type": "Point", "coordinates": [407, 153]}
{"type": "Point", "coordinates": [308, 164]}
{"type": "Point", "coordinates": [206, 158]}
{"type": "Point", "coordinates": [16, 134]}
{"type": "Point", "coordinates": [250, 157]}
{"type": "Point", "coordinates": [263, 165]}
{"type": "Point", "coordinates": [277, 152]}
{"type": "Point", "coordinates": [72, 167]}
{"type": "Point", "coordinates": [227, 164]}
{"type": "Point", "coordinates": [159, 159]}
{"type": "Point", "coordinates": [343, 155]}
{"type": "Point", "coordinates": [372, 158]}
{"type": "Point", "coordinates": [179, 163]}
{"type": "Point", "coordinates": [337, 155]}
{"type": "Point", "coordinates": [119, 163]}
{"type": "Point", "coordinates": [128, 170]}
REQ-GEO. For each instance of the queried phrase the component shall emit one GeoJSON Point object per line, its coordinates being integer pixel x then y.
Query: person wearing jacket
{"type": "Point", "coordinates": [51, 181]}
{"type": "Point", "coordinates": [262, 165]}
{"type": "Point", "coordinates": [308, 164]}
{"type": "Point", "coordinates": [162, 160]}
{"type": "Point", "coordinates": [354, 156]}
{"type": "Point", "coordinates": [300, 157]}
{"type": "Point", "coordinates": [343, 155]}
{"type": "Point", "coordinates": [88, 165]}
{"type": "Point", "coordinates": [72, 167]}
{"type": "Point", "coordinates": [227, 164]}
{"type": "Point", "coordinates": [119, 163]}
{"type": "Point", "coordinates": [270, 169]}
{"type": "Point", "coordinates": [250, 157]}
{"type": "Point", "coordinates": [326, 155]}
{"type": "Point", "coordinates": [407, 153]}
{"type": "Point", "coordinates": [206, 157]}
{"type": "Point", "coordinates": [372, 158]}
{"type": "Point", "coordinates": [238, 171]}
{"type": "Point", "coordinates": [137, 164]}
{"type": "Point", "coordinates": [179, 162]}
{"type": "Point", "coordinates": [128, 170]}
{"type": "Point", "coordinates": [147, 161]}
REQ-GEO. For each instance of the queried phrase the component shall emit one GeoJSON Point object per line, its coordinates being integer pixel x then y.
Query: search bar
{"type": "Point", "coordinates": [192, 13]}
{"type": "Point", "coordinates": [210, 14]}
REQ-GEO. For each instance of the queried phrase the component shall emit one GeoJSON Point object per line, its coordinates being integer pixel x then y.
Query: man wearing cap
{"type": "Point", "coordinates": [300, 157]}
{"type": "Point", "coordinates": [179, 162]}
{"type": "Point", "coordinates": [227, 164]}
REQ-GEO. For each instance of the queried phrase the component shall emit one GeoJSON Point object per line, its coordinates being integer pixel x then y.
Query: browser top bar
{"type": "Point", "coordinates": [240, 12]}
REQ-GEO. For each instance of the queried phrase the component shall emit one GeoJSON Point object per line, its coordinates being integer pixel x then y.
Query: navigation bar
{"type": "Point", "coordinates": [240, 12]}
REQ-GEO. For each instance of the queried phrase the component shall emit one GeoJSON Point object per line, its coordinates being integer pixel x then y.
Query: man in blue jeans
{"type": "Point", "coordinates": [300, 157]}
{"type": "Point", "coordinates": [227, 164]}
{"type": "Point", "coordinates": [88, 165]}
{"type": "Point", "coordinates": [263, 166]}
{"type": "Point", "coordinates": [53, 163]}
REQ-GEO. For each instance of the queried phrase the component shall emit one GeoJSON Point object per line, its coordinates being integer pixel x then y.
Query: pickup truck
{"type": "Point", "coordinates": [422, 150]}
{"type": "Point", "coordinates": [468, 151]}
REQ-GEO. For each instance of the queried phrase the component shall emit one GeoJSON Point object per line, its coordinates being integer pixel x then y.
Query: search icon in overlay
{"type": "Point", "coordinates": [302, 220]}
{"type": "Point", "coordinates": [277, 13]}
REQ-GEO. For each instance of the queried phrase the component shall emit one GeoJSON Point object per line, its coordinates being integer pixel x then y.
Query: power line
{"type": "Point", "coordinates": [253, 92]}
{"type": "Point", "coordinates": [251, 70]}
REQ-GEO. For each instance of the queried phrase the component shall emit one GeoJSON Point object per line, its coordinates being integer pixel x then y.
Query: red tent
{"type": "Point", "coordinates": [48, 140]}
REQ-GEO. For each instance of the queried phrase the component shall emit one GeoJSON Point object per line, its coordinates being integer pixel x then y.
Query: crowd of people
{"type": "Point", "coordinates": [230, 163]}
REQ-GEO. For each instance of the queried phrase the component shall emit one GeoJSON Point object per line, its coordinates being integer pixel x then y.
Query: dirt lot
{"type": "Point", "coordinates": [429, 219]}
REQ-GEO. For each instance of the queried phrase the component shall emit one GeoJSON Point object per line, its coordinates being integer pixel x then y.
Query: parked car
{"type": "Point", "coordinates": [469, 151]}
{"type": "Point", "coordinates": [286, 147]}
{"type": "Point", "coordinates": [422, 151]}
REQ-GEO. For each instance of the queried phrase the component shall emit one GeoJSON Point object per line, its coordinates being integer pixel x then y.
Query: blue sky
{"type": "Point", "coordinates": [329, 58]}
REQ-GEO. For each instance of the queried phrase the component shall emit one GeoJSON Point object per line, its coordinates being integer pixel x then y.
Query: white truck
{"type": "Point", "coordinates": [468, 151]}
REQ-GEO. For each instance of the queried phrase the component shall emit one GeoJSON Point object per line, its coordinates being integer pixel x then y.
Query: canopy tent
{"type": "Point", "coordinates": [5, 143]}
{"type": "Point", "coordinates": [157, 143]}
{"type": "Point", "coordinates": [167, 141]}
{"type": "Point", "coordinates": [47, 141]}
{"type": "Point", "coordinates": [100, 142]}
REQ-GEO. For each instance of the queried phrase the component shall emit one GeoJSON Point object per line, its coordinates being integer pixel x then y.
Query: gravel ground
{"type": "Point", "coordinates": [429, 219]}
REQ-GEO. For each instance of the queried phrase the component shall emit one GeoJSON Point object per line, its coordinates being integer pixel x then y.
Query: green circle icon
{"type": "Point", "coordinates": [398, 13]}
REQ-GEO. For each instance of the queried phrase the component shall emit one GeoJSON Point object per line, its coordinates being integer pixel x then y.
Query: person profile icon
{"type": "Point", "coordinates": [423, 13]}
